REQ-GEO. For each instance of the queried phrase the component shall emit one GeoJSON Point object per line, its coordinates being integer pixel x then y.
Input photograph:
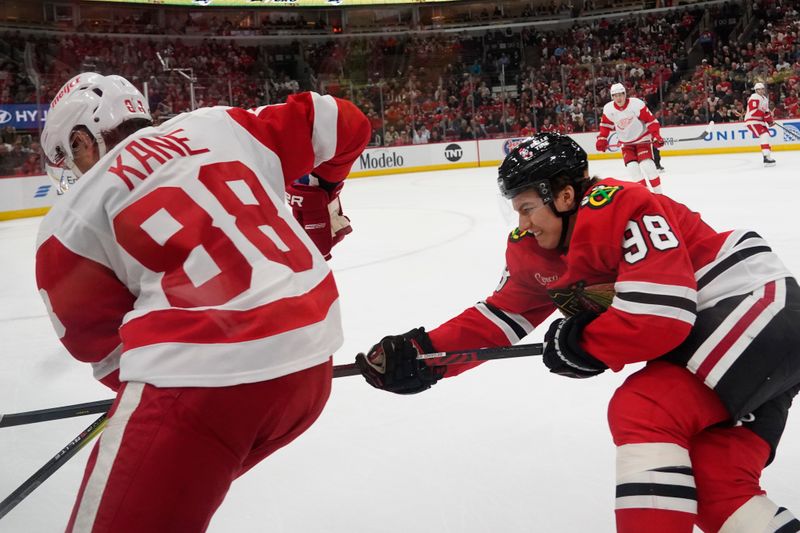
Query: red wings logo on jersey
{"type": "Point", "coordinates": [600, 196]}
{"type": "Point", "coordinates": [624, 122]}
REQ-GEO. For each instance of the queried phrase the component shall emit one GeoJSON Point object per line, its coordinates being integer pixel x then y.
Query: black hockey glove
{"type": "Point", "coordinates": [392, 364]}
{"type": "Point", "coordinates": [563, 354]}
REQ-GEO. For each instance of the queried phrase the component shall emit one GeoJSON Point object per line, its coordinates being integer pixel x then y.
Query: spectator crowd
{"type": "Point", "coordinates": [690, 65]}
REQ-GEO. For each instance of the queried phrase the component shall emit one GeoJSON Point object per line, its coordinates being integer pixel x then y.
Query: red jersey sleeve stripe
{"type": "Point", "coordinates": [213, 326]}
{"type": "Point", "coordinates": [87, 301]}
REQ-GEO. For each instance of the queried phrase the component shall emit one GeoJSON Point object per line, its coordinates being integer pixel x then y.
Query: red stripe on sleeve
{"type": "Point", "coordinates": [213, 326]}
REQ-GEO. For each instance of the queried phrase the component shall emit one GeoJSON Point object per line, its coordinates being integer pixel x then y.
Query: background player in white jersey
{"type": "Point", "coordinates": [174, 267]}
{"type": "Point", "coordinates": [758, 120]}
{"type": "Point", "coordinates": [637, 132]}
{"type": "Point", "coordinates": [696, 426]}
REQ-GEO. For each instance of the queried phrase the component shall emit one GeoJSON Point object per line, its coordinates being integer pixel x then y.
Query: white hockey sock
{"type": "Point", "coordinates": [759, 513]}
{"type": "Point", "coordinates": [648, 168]}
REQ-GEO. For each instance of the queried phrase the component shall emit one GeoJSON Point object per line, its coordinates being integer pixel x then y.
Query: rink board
{"type": "Point", "coordinates": [34, 195]}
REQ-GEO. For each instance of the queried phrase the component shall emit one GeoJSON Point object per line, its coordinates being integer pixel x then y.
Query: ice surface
{"type": "Point", "coordinates": [505, 448]}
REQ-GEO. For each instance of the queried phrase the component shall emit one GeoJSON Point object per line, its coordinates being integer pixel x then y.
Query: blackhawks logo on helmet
{"type": "Point", "coordinates": [600, 196]}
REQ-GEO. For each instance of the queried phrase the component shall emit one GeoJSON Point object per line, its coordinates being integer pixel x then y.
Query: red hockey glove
{"type": "Point", "coordinates": [658, 140]}
{"type": "Point", "coordinates": [316, 206]}
{"type": "Point", "coordinates": [770, 121]}
{"type": "Point", "coordinates": [601, 144]}
{"type": "Point", "coordinates": [563, 354]}
{"type": "Point", "coordinates": [392, 364]}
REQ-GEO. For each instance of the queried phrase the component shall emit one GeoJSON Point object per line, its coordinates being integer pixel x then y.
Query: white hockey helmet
{"type": "Point", "coordinates": [98, 103]}
{"type": "Point", "coordinates": [617, 88]}
{"type": "Point", "coordinates": [758, 86]}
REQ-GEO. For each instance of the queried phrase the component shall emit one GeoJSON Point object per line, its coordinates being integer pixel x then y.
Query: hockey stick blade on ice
{"type": "Point", "coordinates": [58, 460]}
{"type": "Point", "coordinates": [339, 371]}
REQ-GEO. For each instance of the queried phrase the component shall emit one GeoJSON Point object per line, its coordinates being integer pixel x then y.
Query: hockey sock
{"type": "Point", "coordinates": [761, 514]}
{"type": "Point", "coordinates": [655, 489]}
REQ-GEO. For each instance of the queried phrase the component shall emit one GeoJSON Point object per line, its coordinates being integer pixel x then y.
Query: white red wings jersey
{"type": "Point", "coordinates": [633, 122]}
{"type": "Point", "coordinates": [666, 264]}
{"type": "Point", "coordinates": [519, 303]}
{"type": "Point", "coordinates": [757, 110]}
{"type": "Point", "coordinates": [176, 259]}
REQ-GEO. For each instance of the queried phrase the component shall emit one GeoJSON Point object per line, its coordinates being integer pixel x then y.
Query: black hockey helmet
{"type": "Point", "coordinates": [537, 160]}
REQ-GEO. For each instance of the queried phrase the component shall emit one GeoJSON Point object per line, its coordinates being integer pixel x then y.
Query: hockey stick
{"type": "Point", "coordinates": [58, 460]}
{"type": "Point", "coordinates": [339, 371]}
{"type": "Point", "coordinates": [445, 358]}
{"type": "Point", "coordinates": [672, 140]}
{"type": "Point", "coordinates": [788, 131]}
{"type": "Point", "coordinates": [708, 130]}
{"type": "Point", "coordinates": [43, 415]}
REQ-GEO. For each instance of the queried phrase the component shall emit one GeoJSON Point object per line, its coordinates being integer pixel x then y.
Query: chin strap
{"type": "Point", "coordinates": [564, 216]}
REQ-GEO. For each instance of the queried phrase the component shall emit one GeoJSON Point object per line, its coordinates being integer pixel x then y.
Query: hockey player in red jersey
{"type": "Point", "coordinates": [758, 120]}
{"type": "Point", "coordinates": [714, 315]}
{"type": "Point", "coordinates": [638, 132]}
{"type": "Point", "coordinates": [174, 267]}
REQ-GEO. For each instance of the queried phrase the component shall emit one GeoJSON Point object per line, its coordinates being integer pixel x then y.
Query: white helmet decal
{"type": "Point", "coordinates": [758, 86]}
{"type": "Point", "coordinates": [98, 103]}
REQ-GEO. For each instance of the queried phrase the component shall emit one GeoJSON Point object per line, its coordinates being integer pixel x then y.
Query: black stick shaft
{"type": "Point", "coordinates": [58, 460]}
{"type": "Point", "coordinates": [339, 371]}
{"type": "Point", "coordinates": [43, 415]}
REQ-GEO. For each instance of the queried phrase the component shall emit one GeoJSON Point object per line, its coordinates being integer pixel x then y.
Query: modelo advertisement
{"type": "Point", "coordinates": [394, 159]}
{"type": "Point", "coordinates": [30, 196]}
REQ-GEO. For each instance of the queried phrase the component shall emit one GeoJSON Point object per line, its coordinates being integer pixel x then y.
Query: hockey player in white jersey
{"type": "Point", "coordinates": [758, 120]}
{"type": "Point", "coordinates": [174, 267]}
{"type": "Point", "coordinates": [638, 132]}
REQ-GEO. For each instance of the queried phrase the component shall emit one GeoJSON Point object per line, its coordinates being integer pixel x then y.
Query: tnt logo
{"type": "Point", "coordinates": [42, 191]}
{"type": "Point", "coordinates": [453, 152]}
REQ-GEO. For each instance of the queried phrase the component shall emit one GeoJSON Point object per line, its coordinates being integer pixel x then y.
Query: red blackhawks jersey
{"type": "Point", "coordinates": [175, 260]}
{"type": "Point", "coordinates": [757, 110]}
{"type": "Point", "coordinates": [664, 263]}
{"type": "Point", "coordinates": [633, 122]}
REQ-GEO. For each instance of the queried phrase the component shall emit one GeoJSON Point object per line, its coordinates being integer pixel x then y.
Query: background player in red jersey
{"type": "Point", "coordinates": [174, 267]}
{"type": "Point", "coordinates": [758, 120]}
{"type": "Point", "coordinates": [713, 314]}
{"type": "Point", "coordinates": [638, 131]}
